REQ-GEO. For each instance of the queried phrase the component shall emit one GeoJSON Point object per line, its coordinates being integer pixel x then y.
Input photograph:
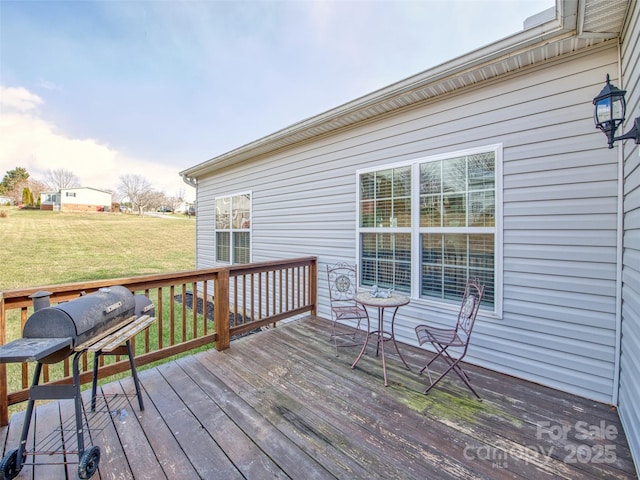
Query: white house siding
{"type": "Point", "coordinates": [84, 199]}
{"type": "Point", "coordinates": [629, 392]}
{"type": "Point", "coordinates": [560, 212]}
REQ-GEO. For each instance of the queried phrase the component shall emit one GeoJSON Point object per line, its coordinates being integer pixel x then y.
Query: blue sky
{"type": "Point", "coordinates": [153, 87]}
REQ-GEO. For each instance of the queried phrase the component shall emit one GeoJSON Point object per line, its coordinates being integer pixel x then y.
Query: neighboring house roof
{"type": "Point", "coordinates": [571, 26]}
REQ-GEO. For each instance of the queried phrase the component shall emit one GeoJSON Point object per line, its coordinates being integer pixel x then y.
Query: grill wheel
{"type": "Point", "coordinates": [8, 467]}
{"type": "Point", "coordinates": [89, 462]}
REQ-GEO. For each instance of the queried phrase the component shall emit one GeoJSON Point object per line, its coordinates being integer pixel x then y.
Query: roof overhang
{"type": "Point", "coordinates": [571, 26]}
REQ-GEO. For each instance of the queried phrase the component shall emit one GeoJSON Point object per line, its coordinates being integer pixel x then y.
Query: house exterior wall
{"type": "Point", "coordinates": [560, 207]}
{"type": "Point", "coordinates": [84, 199]}
{"type": "Point", "coordinates": [629, 392]}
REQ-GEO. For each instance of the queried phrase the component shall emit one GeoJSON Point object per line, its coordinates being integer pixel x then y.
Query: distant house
{"type": "Point", "coordinates": [488, 165]}
{"type": "Point", "coordinates": [80, 199]}
{"type": "Point", "coordinates": [5, 200]}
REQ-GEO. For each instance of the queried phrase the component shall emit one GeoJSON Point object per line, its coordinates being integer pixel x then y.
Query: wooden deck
{"type": "Point", "coordinates": [281, 404]}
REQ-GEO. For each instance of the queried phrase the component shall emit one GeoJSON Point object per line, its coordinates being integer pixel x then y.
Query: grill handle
{"type": "Point", "coordinates": [113, 307]}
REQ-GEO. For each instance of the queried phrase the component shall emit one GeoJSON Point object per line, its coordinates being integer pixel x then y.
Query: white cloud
{"type": "Point", "coordinates": [19, 98]}
{"type": "Point", "coordinates": [30, 142]}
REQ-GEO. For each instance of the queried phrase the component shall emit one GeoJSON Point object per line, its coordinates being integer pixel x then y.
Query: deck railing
{"type": "Point", "coordinates": [186, 303]}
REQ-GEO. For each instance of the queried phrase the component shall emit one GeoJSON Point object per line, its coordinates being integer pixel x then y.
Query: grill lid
{"type": "Point", "coordinates": [51, 333]}
{"type": "Point", "coordinates": [82, 317]}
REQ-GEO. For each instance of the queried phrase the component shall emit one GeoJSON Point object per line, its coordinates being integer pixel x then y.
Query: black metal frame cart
{"type": "Point", "coordinates": [22, 350]}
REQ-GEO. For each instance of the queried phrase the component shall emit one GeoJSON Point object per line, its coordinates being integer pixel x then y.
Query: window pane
{"type": "Point", "coordinates": [447, 260]}
{"type": "Point", "coordinates": [241, 211]}
{"type": "Point", "coordinates": [455, 250]}
{"type": "Point", "coordinates": [367, 186]}
{"type": "Point", "coordinates": [402, 182]}
{"type": "Point", "coordinates": [384, 182]}
{"type": "Point", "coordinates": [454, 173]}
{"type": "Point", "coordinates": [383, 213]}
{"type": "Point", "coordinates": [222, 213]}
{"type": "Point", "coordinates": [367, 214]}
{"type": "Point", "coordinates": [385, 198]}
{"type": "Point", "coordinates": [431, 178]}
{"type": "Point", "coordinates": [482, 209]}
{"type": "Point", "coordinates": [386, 260]}
{"type": "Point", "coordinates": [482, 169]}
{"type": "Point", "coordinates": [455, 210]}
{"type": "Point", "coordinates": [455, 280]}
{"type": "Point", "coordinates": [241, 250]}
{"type": "Point", "coordinates": [481, 252]}
{"type": "Point", "coordinates": [431, 211]}
{"type": "Point", "coordinates": [487, 278]}
{"type": "Point", "coordinates": [401, 213]}
{"type": "Point", "coordinates": [222, 246]}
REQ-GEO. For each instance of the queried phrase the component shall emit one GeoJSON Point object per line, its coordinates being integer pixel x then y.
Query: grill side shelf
{"type": "Point", "coordinates": [111, 342]}
{"type": "Point", "coordinates": [32, 349]}
{"type": "Point", "coordinates": [100, 336]}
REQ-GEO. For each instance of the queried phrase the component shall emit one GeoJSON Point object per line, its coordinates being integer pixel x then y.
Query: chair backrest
{"type": "Point", "coordinates": [342, 279]}
{"type": "Point", "coordinates": [469, 307]}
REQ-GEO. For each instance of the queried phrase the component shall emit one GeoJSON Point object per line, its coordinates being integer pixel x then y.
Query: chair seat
{"type": "Point", "coordinates": [348, 312]}
{"type": "Point", "coordinates": [442, 336]}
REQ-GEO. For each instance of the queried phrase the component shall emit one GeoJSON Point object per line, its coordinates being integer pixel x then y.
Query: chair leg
{"type": "Point", "coordinates": [335, 335]}
{"type": "Point", "coordinates": [440, 352]}
{"type": "Point", "coordinates": [454, 364]}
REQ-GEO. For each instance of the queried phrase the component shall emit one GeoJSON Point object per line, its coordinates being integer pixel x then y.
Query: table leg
{"type": "Point", "coordinates": [366, 339]}
{"type": "Point", "coordinates": [393, 337]}
{"type": "Point", "coordinates": [381, 342]}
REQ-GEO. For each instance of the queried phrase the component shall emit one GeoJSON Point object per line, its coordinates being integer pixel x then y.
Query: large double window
{"type": "Point", "coordinates": [233, 228]}
{"type": "Point", "coordinates": [424, 227]}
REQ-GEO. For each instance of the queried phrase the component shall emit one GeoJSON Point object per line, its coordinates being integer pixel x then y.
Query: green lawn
{"type": "Point", "coordinates": [40, 248]}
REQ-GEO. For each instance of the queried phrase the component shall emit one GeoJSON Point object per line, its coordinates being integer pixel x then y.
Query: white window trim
{"type": "Point", "coordinates": [415, 221]}
{"type": "Point", "coordinates": [230, 231]}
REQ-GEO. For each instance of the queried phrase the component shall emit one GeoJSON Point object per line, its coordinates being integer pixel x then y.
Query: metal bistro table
{"type": "Point", "coordinates": [395, 301]}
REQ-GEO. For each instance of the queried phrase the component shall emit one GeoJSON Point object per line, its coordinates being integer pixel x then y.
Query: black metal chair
{"type": "Point", "coordinates": [343, 278]}
{"type": "Point", "coordinates": [457, 338]}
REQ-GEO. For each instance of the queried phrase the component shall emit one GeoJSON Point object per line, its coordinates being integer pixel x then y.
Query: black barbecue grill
{"type": "Point", "coordinates": [100, 322]}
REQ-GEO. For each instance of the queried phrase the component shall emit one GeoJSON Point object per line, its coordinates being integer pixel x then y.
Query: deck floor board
{"type": "Point", "coordinates": [281, 404]}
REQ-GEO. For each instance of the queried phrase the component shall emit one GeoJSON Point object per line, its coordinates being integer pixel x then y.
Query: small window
{"type": "Point", "coordinates": [233, 228]}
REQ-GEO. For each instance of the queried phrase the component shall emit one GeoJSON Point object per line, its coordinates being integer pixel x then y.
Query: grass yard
{"type": "Point", "coordinates": [40, 248]}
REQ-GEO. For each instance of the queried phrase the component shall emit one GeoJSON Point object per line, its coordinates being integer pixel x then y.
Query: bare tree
{"type": "Point", "coordinates": [156, 200]}
{"type": "Point", "coordinates": [137, 190]}
{"type": "Point", "coordinates": [60, 178]}
{"type": "Point", "coordinates": [37, 187]}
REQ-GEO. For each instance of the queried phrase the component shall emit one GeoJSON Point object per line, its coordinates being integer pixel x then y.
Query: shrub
{"type": "Point", "coordinates": [4, 214]}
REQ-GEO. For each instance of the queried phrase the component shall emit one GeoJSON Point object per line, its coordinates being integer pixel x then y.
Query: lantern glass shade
{"type": "Point", "coordinates": [610, 110]}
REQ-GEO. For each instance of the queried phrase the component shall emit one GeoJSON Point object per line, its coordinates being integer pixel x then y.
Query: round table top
{"type": "Point", "coordinates": [395, 300]}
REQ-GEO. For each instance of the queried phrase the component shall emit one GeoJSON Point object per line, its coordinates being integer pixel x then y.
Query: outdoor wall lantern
{"type": "Point", "coordinates": [610, 113]}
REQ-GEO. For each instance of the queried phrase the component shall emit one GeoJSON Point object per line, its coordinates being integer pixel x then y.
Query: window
{"type": "Point", "coordinates": [70, 194]}
{"type": "Point", "coordinates": [426, 226]}
{"type": "Point", "coordinates": [233, 229]}
{"type": "Point", "coordinates": [385, 241]}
